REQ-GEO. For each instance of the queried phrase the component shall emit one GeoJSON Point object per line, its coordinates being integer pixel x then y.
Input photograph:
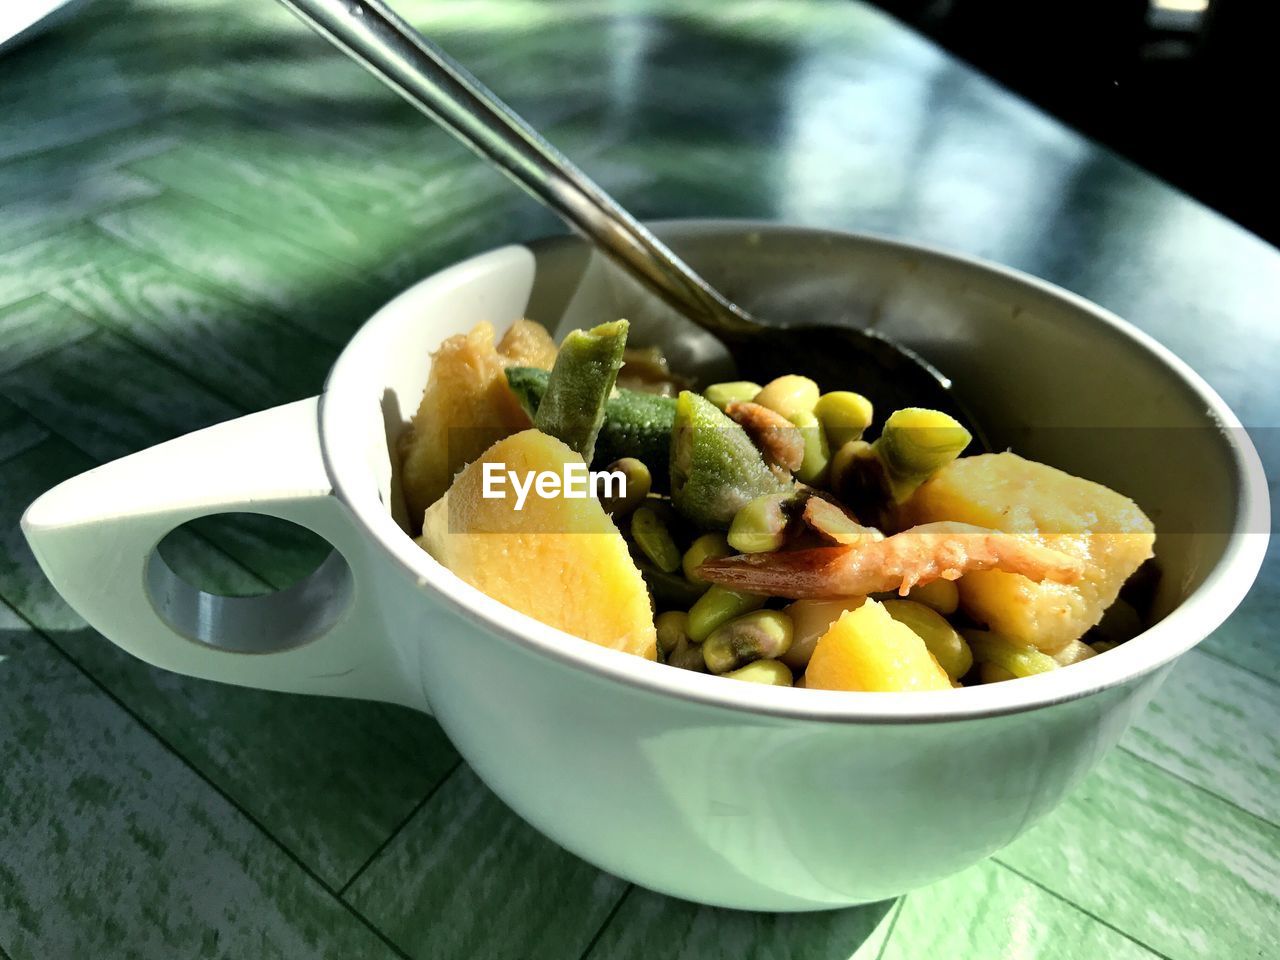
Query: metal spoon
{"type": "Point", "coordinates": [838, 357]}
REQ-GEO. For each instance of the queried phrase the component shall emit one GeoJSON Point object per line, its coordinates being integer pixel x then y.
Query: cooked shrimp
{"type": "Point", "coordinates": [777, 438]}
{"type": "Point", "coordinates": [835, 523]}
{"type": "Point", "coordinates": [920, 555]}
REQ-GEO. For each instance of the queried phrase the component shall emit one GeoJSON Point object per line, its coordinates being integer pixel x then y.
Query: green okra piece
{"type": "Point", "coordinates": [715, 468]}
{"type": "Point", "coordinates": [636, 424]}
{"type": "Point", "coordinates": [578, 388]}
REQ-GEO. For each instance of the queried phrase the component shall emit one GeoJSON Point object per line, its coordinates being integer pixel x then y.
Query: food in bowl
{"type": "Point", "coordinates": [763, 533]}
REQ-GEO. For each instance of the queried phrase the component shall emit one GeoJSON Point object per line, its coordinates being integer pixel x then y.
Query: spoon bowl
{"type": "Point", "coordinates": [837, 357]}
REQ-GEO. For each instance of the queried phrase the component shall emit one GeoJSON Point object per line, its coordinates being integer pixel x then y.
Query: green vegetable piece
{"type": "Point", "coordinates": [669, 591]}
{"type": "Point", "coordinates": [709, 546]}
{"type": "Point", "coordinates": [687, 656]}
{"type": "Point", "coordinates": [529, 384]}
{"type": "Point", "coordinates": [760, 526]}
{"type": "Point", "coordinates": [788, 395]}
{"type": "Point", "coordinates": [850, 464]}
{"type": "Point", "coordinates": [673, 628]}
{"type": "Point", "coordinates": [915, 444]}
{"type": "Point", "coordinates": [736, 391]}
{"type": "Point", "coordinates": [635, 492]}
{"type": "Point", "coordinates": [947, 646]}
{"type": "Point", "coordinates": [573, 408]}
{"type": "Point", "coordinates": [993, 673]}
{"type": "Point", "coordinates": [859, 481]}
{"type": "Point", "coordinates": [762, 635]}
{"type": "Point", "coordinates": [636, 424]}
{"type": "Point", "coordinates": [715, 468]}
{"type": "Point", "coordinates": [844, 416]}
{"type": "Point", "coordinates": [941, 595]}
{"type": "Point", "coordinates": [654, 540]}
{"type": "Point", "coordinates": [1017, 659]}
{"type": "Point", "coordinates": [1074, 652]}
{"type": "Point", "coordinates": [773, 673]}
{"type": "Point", "coordinates": [719, 605]}
{"type": "Point", "coordinates": [817, 455]}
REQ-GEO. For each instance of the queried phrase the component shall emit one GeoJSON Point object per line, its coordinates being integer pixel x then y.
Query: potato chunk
{"type": "Point", "coordinates": [466, 407]}
{"type": "Point", "coordinates": [559, 560]}
{"type": "Point", "coordinates": [527, 344]}
{"type": "Point", "coordinates": [1102, 528]}
{"type": "Point", "coordinates": [866, 649]}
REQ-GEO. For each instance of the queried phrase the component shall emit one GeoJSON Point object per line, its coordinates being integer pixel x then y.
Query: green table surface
{"type": "Point", "coordinates": [199, 202]}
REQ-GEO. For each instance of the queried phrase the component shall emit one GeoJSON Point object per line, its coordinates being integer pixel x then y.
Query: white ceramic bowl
{"type": "Point", "coordinates": [721, 792]}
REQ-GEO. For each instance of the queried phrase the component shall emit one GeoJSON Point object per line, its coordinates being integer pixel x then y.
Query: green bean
{"type": "Point", "coordinates": [716, 606]}
{"type": "Point", "coordinates": [654, 539]}
{"type": "Point", "coordinates": [844, 416]}
{"type": "Point", "coordinates": [723, 394]}
{"type": "Point", "coordinates": [762, 635]}
{"type": "Point", "coordinates": [810, 620]}
{"type": "Point", "coordinates": [760, 526]}
{"type": "Point", "coordinates": [573, 408]}
{"type": "Point", "coordinates": [672, 627]}
{"type": "Point", "coordinates": [817, 455]}
{"type": "Point", "coordinates": [940, 595]}
{"type": "Point", "coordinates": [636, 424]}
{"type": "Point", "coordinates": [635, 487]}
{"type": "Point", "coordinates": [858, 479]}
{"type": "Point", "coordinates": [772, 672]}
{"type": "Point", "coordinates": [670, 591]}
{"type": "Point", "coordinates": [993, 673]}
{"type": "Point", "coordinates": [941, 639]}
{"type": "Point", "coordinates": [1019, 659]}
{"type": "Point", "coordinates": [915, 444]}
{"type": "Point", "coordinates": [687, 656]}
{"type": "Point", "coordinates": [709, 546]}
{"type": "Point", "coordinates": [788, 395]}
{"type": "Point", "coordinates": [1073, 652]}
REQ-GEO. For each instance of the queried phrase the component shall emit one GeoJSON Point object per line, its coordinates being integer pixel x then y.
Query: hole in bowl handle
{"type": "Point", "coordinates": [95, 537]}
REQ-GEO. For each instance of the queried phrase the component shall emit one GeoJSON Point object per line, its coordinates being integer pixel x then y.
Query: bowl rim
{"type": "Point", "coordinates": [1193, 619]}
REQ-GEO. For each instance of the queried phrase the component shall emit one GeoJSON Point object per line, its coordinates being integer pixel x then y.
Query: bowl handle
{"type": "Point", "coordinates": [95, 537]}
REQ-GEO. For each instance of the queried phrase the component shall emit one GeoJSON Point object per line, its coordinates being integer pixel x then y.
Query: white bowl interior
{"type": "Point", "coordinates": [1046, 373]}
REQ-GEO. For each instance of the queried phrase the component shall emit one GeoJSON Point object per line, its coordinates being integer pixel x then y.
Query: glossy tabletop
{"type": "Point", "coordinates": [200, 201]}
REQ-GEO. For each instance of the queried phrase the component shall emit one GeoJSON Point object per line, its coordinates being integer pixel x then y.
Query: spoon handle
{"type": "Point", "coordinates": [375, 36]}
